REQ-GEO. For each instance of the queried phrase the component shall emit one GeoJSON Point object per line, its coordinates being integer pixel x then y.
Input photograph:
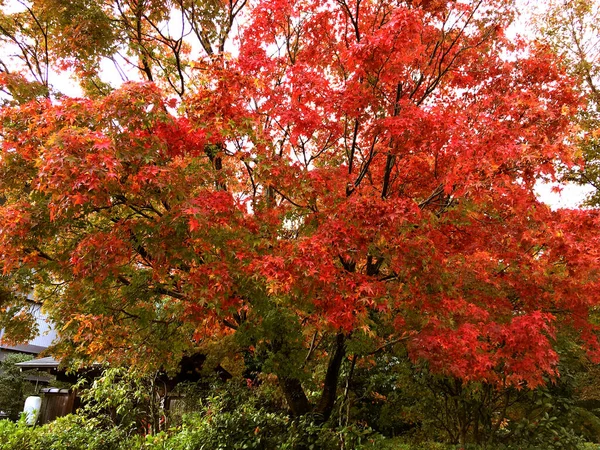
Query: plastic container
{"type": "Point", "coordinates": [32, 408]}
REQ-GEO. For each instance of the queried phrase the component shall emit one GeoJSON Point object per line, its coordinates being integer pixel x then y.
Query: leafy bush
{"type": "Point", "coordinates": [233, 417]}
{"type": "Point", "coordinates": [123, 399]}
{"type": "Point", "coordinates": [400, 444]}
{"type": "Point", "coordinates": [17, 436]}
{"type": "Point", "coordinates": [71, 432]}
{"type": "Point", "coordinates": [75, 432]}
{"type": "Point", "coordinates": [236, 417]}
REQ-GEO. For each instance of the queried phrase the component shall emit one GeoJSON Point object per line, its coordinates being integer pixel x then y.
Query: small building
{"type": "Point", "coordinates": [46, 336]}
{"type": "Point", "coordinates": [56, 402]}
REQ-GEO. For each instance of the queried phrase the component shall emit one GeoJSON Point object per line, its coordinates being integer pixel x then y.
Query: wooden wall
{"type": "Point", "coordinates": [57, 403]}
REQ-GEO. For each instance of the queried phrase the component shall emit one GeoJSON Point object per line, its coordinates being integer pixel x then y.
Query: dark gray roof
{"type": "Point", "coordinates": [24, 348]}
{"type": "Point", "coordinates": [42, 363]}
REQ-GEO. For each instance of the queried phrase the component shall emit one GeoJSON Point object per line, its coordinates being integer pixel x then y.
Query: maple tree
{"type": "Point", "coordinates": [356, 174]}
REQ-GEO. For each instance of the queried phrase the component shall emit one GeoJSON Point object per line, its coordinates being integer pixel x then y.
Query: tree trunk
{"type": "Point", "coordinates": [294, 395]}
{"type": "Point", "coordinates": [328, 395]}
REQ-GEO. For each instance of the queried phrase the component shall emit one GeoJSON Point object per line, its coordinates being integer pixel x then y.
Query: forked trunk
{"type": "Point", "coordinates": [294, 393]}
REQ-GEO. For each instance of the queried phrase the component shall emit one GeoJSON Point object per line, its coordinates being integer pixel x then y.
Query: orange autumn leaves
{"type": "Point", "coordinates": [363, 168]}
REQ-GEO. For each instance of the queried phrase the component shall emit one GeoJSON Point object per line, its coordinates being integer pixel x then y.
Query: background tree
{"type": "Point", "coordinates": [137, 38]}
{"type": "Point", "coordinates": [356, 175]}
{"type": "Point", "coordinates": [14, 388]}
{"type": "Point", "coordinates": [571, 28]}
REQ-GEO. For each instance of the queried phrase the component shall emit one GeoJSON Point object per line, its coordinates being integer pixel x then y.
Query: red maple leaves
{"type": "Point", "coordinates": [355, 166]}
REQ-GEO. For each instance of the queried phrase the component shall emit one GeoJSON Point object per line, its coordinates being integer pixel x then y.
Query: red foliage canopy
{"type": "Point", "coordinates": [363, 167]}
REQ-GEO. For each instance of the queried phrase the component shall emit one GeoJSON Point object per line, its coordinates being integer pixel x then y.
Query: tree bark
{"type": "Point", "coordinates": [295, 396]}
{"type": "Point", "coordinates": [327, 401]}
{"type": "Point", "coordinates": [294, 393]}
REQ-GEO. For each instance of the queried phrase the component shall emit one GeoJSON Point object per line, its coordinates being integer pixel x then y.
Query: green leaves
{"type": "Point", "coordinates": [14, 387]}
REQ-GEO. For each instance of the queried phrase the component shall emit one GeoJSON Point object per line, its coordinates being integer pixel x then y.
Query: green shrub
{"type": "Point", "coordinates": [75, 432]}
{"type": "Point", "coordinates": [225, 424]}
{"type": "Point", "coordinates": [234, 417]}
{"type": "Point", "coordinates": [17, 436]}
{"type": "Point", "coordinates": [400, 444]}
{"type": "Point", "coordinates": [71, 432]}
{"type": "Point", "coordinates": [124, 399]}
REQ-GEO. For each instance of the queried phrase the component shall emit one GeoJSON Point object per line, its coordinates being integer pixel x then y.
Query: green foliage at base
{"type": "Point", "coordinates": [66, 433]}
{"type": "Point", "coordinates": [220, 432]}
{"type": "Point", "coordinates": [235, 417]}
{"type": "Point", "coordinates": [245, 429]}
{"type": "Point", "coordinates": [232, 417]}
{"type": "Point", "coordinates": [395, 405]}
